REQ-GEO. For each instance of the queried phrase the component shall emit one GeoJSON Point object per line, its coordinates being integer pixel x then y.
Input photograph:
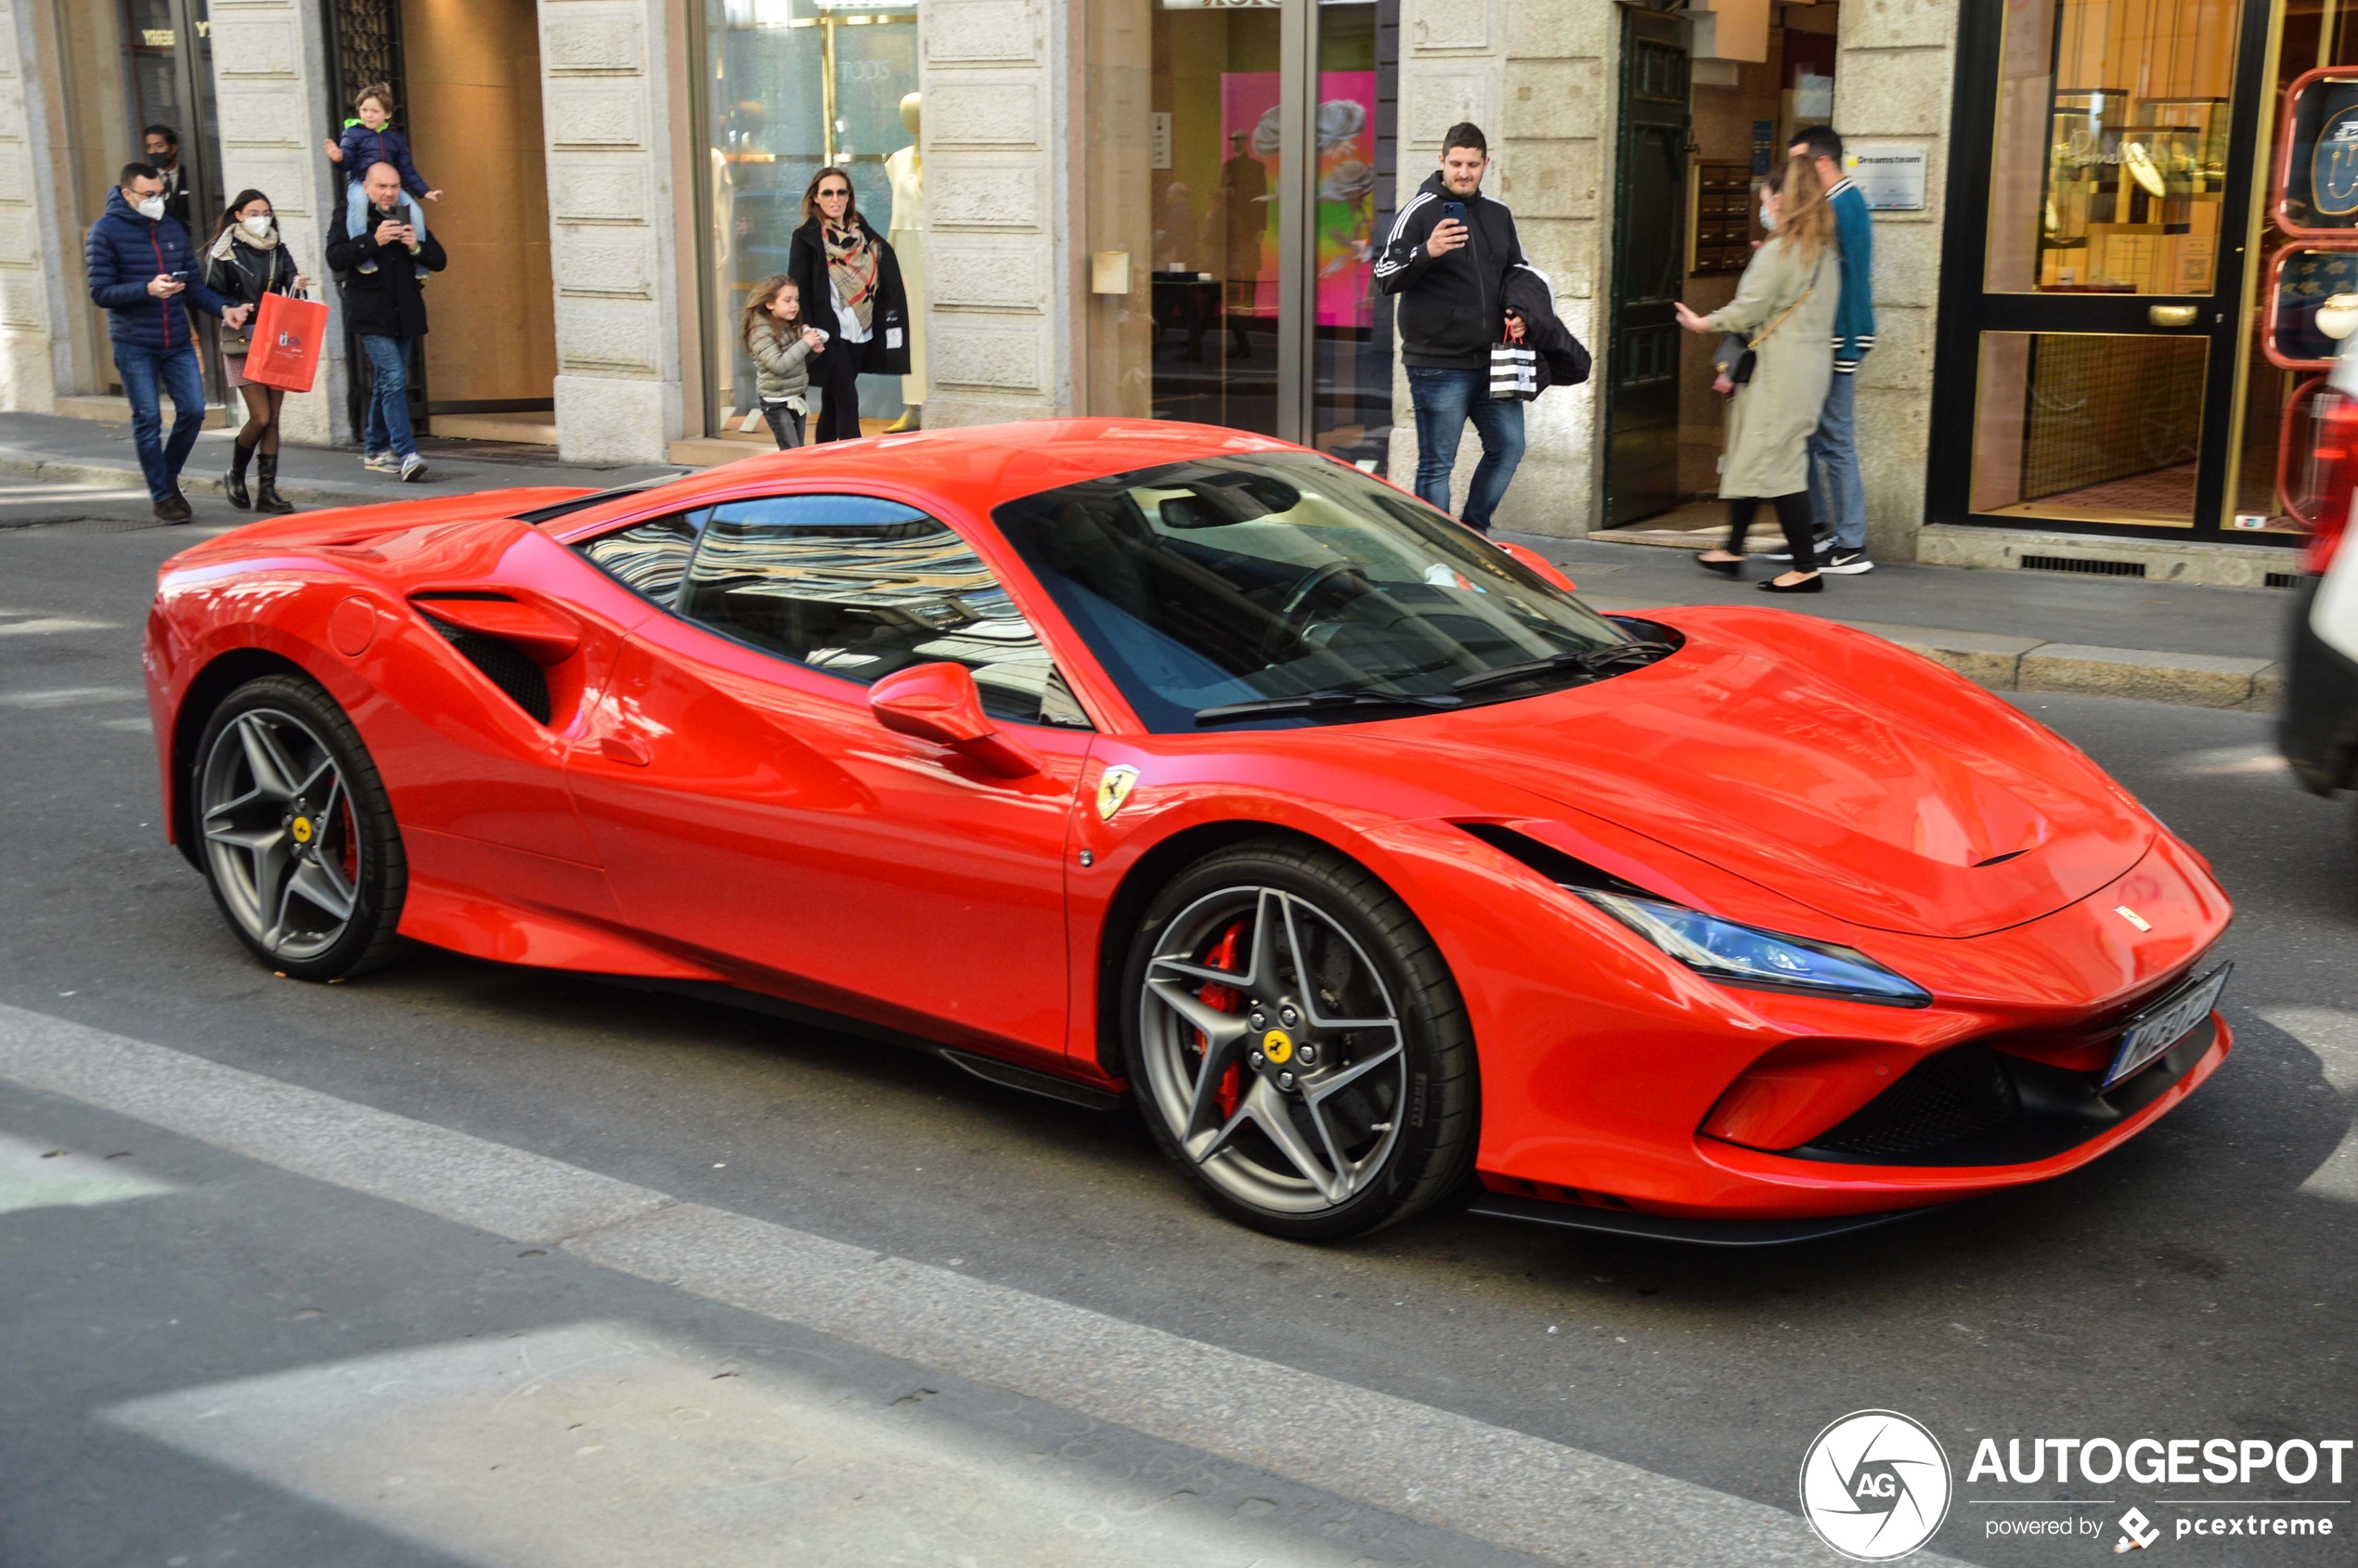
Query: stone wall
{"type": "Point", "coordinates": [1893, 85]}
{"type": "Point", "coordinates": [1004, 286]}
{"type": "Point", "coordinates": [27, 374]}
{"type": "Point", "coordinates": [615, 245]}
{"type": "Point", "coordinates": [1538, 77]}
{"type": "Point", "coordinates": [269, 74]}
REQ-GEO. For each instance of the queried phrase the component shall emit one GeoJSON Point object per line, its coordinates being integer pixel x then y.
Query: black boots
{"type": "Point", "coordinates": [234, 487]}
{"type": "Point", "coordinates": [266, 495]}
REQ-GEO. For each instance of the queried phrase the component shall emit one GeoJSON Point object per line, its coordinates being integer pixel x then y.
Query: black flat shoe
{"type": "Point", "coordinates": [1811, 584]}
{"type": "Point", "coordinates": [1725, 568]}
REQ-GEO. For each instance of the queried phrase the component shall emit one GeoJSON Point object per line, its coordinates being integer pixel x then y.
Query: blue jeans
{"type": "Point", "coordinates": [1445, 399]}
{"type": "Point", "coordinates": [388, 397]}
{"type": "Point", "coordinates": [175, 370]}
{"type": "Point", "coordinates": [1836, 497]}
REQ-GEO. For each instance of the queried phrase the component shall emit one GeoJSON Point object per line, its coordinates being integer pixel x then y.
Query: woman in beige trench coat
{"type": "Point", "coordinates": [1784, 307]}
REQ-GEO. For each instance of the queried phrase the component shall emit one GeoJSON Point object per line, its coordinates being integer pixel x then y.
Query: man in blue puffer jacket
{"type": "Point", "coordinates": [140, 264]}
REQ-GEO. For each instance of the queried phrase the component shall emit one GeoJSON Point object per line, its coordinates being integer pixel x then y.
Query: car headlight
{"type": "Point", "coordinates": [1745, 955]}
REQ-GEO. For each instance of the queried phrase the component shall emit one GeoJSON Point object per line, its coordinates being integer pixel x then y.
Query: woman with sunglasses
{"type": "Point", "coordinates": [851, 290]}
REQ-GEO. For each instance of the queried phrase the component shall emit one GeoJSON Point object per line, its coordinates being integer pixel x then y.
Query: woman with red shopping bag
{"type": "Point", "coordinates": [246, 264]}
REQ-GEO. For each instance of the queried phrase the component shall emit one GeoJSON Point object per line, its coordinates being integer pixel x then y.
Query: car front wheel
{"type": "Point", "coordinates": [1296, 1042]}
{"type": "Point", "coordinates": [299, 839]}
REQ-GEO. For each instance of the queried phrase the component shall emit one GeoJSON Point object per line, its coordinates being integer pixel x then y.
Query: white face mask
{"type": "Point", "coordinates": [259, 226]}
{"type": "Point", "coordinates": [150, 207]}
{"type": "Point", "coordinates": [1767, 218]}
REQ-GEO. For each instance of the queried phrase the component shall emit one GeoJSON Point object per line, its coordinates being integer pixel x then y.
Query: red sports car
{"type": "Point", "coordinates": [1109, 756]}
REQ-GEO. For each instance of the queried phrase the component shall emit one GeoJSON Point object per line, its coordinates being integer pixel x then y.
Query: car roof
{"type": "Point", "coordinates": [981, 466]}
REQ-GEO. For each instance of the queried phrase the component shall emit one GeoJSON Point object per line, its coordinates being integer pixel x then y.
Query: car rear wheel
{"type": "Point", "coordinates": [1297, 1044]}
{"type": "Point", "coordinates": [300, 843]}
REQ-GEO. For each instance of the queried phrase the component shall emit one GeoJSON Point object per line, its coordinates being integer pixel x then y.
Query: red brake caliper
{"type": "Point", "coordinates": [1213, 994]}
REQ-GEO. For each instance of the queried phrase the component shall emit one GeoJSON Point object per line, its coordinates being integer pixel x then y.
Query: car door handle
{"type": "Point", "coordinates": [625, 749]}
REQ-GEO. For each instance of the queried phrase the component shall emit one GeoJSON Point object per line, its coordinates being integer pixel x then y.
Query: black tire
{"type": "Point", "coordinates": [1413, 1130]}
{"type": "Point", "coordinates": [247, 838]}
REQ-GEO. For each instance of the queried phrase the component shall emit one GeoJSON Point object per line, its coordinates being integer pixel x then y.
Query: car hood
{"type": "Point", "coordinates": [1823, 763]}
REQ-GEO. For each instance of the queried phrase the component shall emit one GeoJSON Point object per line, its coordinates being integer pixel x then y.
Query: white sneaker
{"type": "Point", "coordinates": [413, 468]}
{"type": "Point", "coordinates": [1825, 546]}
{"type": "Point", "coordinates": [1847, 563]}
{"type": "Point", "coordinates": [381, 462]}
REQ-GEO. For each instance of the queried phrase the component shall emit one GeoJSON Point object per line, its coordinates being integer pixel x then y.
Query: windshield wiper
{"type": "Point", "coordinates": [1319, 702]}
{"type": "Point", "coordinates": [1586, 661]}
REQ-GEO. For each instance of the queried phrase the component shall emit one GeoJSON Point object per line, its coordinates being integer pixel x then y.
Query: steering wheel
{"type": "Point", "coordinates": [1310, 585]}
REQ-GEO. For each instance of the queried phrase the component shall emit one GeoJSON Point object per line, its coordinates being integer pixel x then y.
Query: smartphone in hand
{"type": "Point", "coordinates": [1453, 211]}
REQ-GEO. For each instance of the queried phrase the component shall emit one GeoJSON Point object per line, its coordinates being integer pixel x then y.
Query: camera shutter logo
{"type": "Point", "coordinates": [1876, 1486]}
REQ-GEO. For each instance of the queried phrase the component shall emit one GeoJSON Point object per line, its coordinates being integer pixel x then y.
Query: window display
{"type": "Point", "coordinates": [793, 85]}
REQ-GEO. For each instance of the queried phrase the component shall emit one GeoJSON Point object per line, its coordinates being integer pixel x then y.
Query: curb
{"type": "Point", "coordinates": [1999, 663]}
{"type": "Point", "coordinates": [310, 494]}
{"type": "Point", "coordinates": [2033, 664]}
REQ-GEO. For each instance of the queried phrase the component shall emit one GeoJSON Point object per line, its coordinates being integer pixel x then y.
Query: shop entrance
{"type": "Point", "coordinates": [1694, 134]}
{"type": "Point", "coordinates": [1242, 181]}
{"type": "Point", "coordinates": [2092, 356]}
{"type": "Point", "coordinates": [472, 71]}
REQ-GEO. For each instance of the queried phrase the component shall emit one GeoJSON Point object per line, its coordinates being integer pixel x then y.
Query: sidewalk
{"type": "Point", "coordinates": [2026, 631]}
{"type": "Point", "coordinates": [2029, 631]}
{"type": "Point", "coordinates": [89, 452]}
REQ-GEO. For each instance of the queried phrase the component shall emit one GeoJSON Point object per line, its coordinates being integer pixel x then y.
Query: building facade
{"type": "Point", "coordinates": [1170, 208]}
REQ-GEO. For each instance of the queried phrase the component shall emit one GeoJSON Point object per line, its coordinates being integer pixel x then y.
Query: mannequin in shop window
{"type": "Point", "coordinates": [906, 171]}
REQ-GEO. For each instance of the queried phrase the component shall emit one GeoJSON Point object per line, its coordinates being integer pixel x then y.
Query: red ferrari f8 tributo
{"type": "Point", "coordinates": [1109, 756]}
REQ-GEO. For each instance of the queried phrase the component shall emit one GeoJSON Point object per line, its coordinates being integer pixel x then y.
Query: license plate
{"type": "Point", "coordinates": [2170, 1021]}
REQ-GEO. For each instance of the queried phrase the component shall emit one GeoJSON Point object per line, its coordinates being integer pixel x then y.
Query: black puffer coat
{"type": "Point", "coordinates": [1562, 359]}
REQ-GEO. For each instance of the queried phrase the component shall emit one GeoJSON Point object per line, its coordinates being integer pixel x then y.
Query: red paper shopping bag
{"type": "Point", "coordinates": [287, 335]}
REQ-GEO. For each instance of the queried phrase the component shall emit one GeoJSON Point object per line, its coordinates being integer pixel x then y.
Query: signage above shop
{"type": "Point", "coordinates": [1890, 177]}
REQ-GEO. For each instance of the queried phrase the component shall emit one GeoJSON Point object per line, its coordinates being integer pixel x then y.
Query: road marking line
{"type": "Point", "coordinates": [614, 1443]}
{"type": "Point", "coordinates": [45, 1176]}
{"type": "Point", "coordinates": [1489, 1483]}
{"type": "Point", "coordinates": [52, 623]}
{"type": "Point", "coordinates": [67, 696]}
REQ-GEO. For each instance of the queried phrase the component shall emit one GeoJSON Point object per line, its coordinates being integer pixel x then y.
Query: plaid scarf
{"type": "Point", "coordinates": [852, 268]}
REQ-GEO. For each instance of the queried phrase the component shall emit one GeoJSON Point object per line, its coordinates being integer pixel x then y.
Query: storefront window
{"type": "Point", "coordinates": [2275, 437]}
{"type": "Point", "coordinates": [2110, 166]}
{"type": "Point", "coordinates": [793, 86]}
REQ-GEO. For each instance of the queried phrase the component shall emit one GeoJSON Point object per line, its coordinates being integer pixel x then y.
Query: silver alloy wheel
{"type": "Point", "coordinates": [1301, 1133]}
{"type": "Point", "coordinates": [279, 835]}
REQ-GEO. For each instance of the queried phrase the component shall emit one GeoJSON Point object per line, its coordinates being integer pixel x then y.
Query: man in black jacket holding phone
{"type": "Point", "coordinates": [1446, 259]}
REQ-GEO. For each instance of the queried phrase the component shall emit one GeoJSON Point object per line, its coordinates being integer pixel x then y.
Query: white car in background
{"type": "Point", "coordinates": [2319, 729]}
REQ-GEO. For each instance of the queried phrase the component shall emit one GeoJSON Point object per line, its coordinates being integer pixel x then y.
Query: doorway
{"type": "Point", "coordinates": [2092, 337]}
{"type": "Point", "coordinates": [1695, 135]}
{"type": "Point", "coordinates": [472, 82]}
{"type": "Point", "coordinates": [1241, 184]}
{"type": "Point", "coordinates": [168, 52]}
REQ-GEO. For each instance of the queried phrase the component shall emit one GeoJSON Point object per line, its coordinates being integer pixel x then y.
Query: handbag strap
{"type": "Point", "coordinates": [1753, 343]}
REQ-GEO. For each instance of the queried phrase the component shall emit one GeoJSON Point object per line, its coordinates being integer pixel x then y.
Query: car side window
{"type": "Point", "coordinates": [649, 557]}
{"type": "Point", "coordinates": [860, 587]}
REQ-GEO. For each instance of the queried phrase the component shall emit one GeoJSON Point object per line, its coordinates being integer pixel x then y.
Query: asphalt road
{"type": "Point", "coordinates": [213, 1356]}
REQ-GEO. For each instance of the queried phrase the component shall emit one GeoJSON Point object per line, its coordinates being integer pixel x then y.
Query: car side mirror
{"type": "Point", "coordinates": [940, 702]}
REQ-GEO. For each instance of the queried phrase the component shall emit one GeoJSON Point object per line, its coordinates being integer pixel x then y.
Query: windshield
{"type": "Point", "coordinates": [1204, 585]}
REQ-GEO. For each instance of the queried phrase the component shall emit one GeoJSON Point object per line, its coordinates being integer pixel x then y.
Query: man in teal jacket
{"type": "Point", "coordinates": [1838, 499]}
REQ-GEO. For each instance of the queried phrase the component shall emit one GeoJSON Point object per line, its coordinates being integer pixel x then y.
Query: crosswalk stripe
{"type": "Point", "coordinates": [1489, 1483]}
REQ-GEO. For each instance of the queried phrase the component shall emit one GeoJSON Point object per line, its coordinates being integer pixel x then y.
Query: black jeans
{"type": "Point", "coordinates": [786, 426]}
{"type": "Point", "coordinates": [1792, 514]}
{"type": "Point", "coordinates": [839, 392]}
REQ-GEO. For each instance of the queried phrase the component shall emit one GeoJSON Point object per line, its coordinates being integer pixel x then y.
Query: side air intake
{"type": "Point", "coordinates": [525, 682]}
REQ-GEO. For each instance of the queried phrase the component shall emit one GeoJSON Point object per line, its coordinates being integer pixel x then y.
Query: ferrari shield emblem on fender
{"type": "Point", "coordinates": [1114, 790]}
{"type": "Point", "coordinates": [2132, 917]}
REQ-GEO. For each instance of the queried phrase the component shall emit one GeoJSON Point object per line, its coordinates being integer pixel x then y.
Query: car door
{"type": "Point", "coordinates": [748, 804]}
